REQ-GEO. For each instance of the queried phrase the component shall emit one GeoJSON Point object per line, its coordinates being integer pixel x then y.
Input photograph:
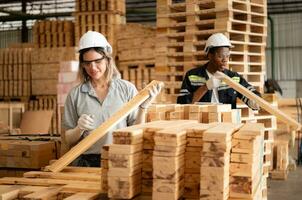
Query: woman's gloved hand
{"type": "Point", "coordinates": [153, 92]}
{"type": "Point", "coordinates": [85, 122]}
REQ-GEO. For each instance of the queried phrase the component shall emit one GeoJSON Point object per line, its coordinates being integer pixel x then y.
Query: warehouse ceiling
{"type": "Point", "coordinates": [15, 13]}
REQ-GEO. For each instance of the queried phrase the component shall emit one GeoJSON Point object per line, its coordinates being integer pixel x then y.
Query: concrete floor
{"type": "Point", "coordinates": [290, 189]}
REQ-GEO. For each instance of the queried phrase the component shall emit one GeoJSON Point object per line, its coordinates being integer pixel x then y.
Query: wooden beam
{"type": "Point", "coordinates": [102, 130]}
{"type": "Point", "coordinates": [261, 102]}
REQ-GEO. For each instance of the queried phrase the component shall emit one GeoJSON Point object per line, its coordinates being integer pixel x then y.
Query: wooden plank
{"type": "Point", "coordinates": [44, 193]}
{"type": "Point", "coordinates": [8, 192]}
{"type": "Point", "coordinates": [63, 176]}
{"type": "Point", "coordinates": [261, 102]}
{"type": "Point", "coordinates": [98, 133]}
{"type": "Point", "coordinates": [82, 196]}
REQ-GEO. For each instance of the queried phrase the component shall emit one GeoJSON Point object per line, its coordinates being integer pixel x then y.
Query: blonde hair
{"type": "Point", "coordinates": [111, 69]}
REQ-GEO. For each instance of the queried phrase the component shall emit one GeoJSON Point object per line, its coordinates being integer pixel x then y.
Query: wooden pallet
{"type": "Point", "coordinates": [139, 73]}
{"type": "Point", "coordinates": [101, 5]}
{"type": "Point", "coordinates": [183, 28]}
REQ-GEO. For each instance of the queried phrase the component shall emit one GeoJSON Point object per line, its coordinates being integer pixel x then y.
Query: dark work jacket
{"type": "Point", "coordinates": [197, 77]}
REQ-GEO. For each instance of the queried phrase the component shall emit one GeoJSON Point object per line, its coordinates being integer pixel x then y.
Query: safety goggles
{"type": "Point", "coordinates": [88, 63]}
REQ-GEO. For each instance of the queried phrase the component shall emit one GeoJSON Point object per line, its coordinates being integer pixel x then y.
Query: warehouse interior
{"type": "Point", "coordinates": [182, 151]}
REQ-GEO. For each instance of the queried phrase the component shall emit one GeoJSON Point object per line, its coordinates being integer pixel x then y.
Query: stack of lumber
{"type": "Point", "coordinates": [105, 166]}
{"type": "Point", "coordinates": [205, 113]}
{"type": "Point", "coordinates": [246, 176]}
{"type": "Point", "coordinates": [26, 154]}
{"type": "Point", "coordinates": [53, 33]}
{"type": "Point", "coordinates": [172, 143]}
{"type": "Point", "coordinates": [280, 160]}
{"type": "Point", "coordinates": [193, 157]}
{"type": "Point", "coordinates": [46, 66]}
{"type": "Point", "coordinates": [136, 53]}
{"type": "Point", "coordinates": [184, 26]}
{"type": "Point", "coordinates": [72, 183]}
{"type": "Point", "coordinates": [15, 73]}
{"type": "Point", "coordinates": [125, 163]}
{"type": "Point", "coordinates": [103, 16]}
{"type": "Point", "coordinates": [215, 161]}
{"type": "Point", "coordinates": [47, 103]}
{"type": "Point", "coordinates": [185, 159]}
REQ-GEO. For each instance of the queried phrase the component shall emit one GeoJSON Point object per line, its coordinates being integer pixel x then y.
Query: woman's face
{"type": "Point", "coordinates": [95, 64]}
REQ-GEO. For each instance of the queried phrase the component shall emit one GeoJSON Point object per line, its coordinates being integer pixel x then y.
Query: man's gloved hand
{"type": "Point", "coordinates": [85, 122]}
{"type": "Point", "coordinates": [253, 105]}
{"type": "Point", "coordinates": [213, 82]}
{"type": "Point", "coordinates": [153, 92]}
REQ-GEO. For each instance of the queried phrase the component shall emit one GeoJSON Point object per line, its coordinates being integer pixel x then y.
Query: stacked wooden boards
{"type": "Point", "coordinates": [53, 33]}
{"type": "Point", "coordinates": [136, 53]}
{"type": "Point", "coordinates": [164, 160]}
{"type": "Point", "coordinates": [189, 159]}
{"type": "Point", "coordinates": [103, 16]}
{"type": "Point", "coordinates": [184, 26]}
{"type": "Point", "coordinates": [15, 71]}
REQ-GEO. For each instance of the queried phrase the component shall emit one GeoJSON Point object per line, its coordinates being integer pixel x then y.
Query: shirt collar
{"type": "Point", "coordinates": [88, 88]}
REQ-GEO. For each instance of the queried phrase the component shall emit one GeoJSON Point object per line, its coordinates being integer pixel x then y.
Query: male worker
{"type": "Point", "coordinates": [202, 84]}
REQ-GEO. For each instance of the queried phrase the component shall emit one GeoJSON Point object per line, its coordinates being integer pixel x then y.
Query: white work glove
{"type": "Point", "coordinates": [85, 122]}
{"type": "Point", "coordinates": [213, 82]}
{"type": "Point", "coordinates": [153, 92]}
{"type": "Point", "coordinates": [253, 105]}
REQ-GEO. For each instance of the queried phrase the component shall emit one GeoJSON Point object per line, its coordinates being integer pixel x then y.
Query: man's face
{"type": "Point", "coordinates": [220, 58]}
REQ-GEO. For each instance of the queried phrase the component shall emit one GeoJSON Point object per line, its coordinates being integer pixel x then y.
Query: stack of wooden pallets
{"type": "Point", "coordinates": [103, 16]}
{"type": "Point", "coordinates": [15, 73]}
{"type": "Point", "coordinates": [53, 33]}
{"type": "Point", "coordinates": [136, 53]}
{"type": "Point", "coordinates": [184, 26]}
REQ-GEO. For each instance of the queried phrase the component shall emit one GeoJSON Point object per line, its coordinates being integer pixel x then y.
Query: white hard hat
{"type": "Point", "coordinates": [94, 39]}
{"type": "Point", "coordinates": [217, 40]}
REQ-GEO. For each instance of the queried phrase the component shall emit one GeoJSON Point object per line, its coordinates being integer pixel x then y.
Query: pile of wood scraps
{"type": "Point", "coordinates": [72, 183]}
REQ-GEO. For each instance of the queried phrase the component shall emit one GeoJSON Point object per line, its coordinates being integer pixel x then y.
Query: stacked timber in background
{"type": "Point", "coordinates": [46, 66]}
{"type": "Point", "coordinates": [15, 70]}
{"type": "Point", "coordinates": [184, 26]}
{"type": "Point", "coordinates": [136, 53]}
{"type": "Point", "coordinates": [280, 160]}
{"type": "Point", "coordinates": [103, 16]}
{"type": "Point", "coordinates": [53, 33]}
{"type": "Point", "coordinates": [44, 78]}
{"type": "Point", "coordinates": [105, 167]}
